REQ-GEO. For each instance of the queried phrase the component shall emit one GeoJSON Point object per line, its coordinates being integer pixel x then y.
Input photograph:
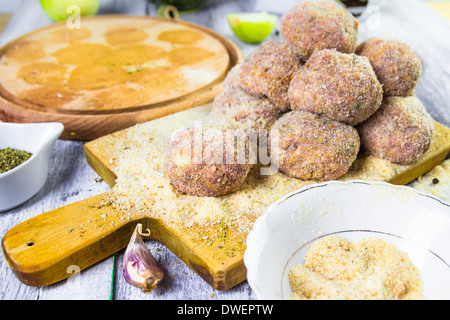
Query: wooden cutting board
{"type": "Point", "coordinates": [208, 234]}
{"type": "Point", "coordinates": [113, 72]}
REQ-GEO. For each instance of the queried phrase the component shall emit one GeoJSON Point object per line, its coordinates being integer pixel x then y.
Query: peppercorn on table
{"type": "Point", "coordinates": [72, 180]}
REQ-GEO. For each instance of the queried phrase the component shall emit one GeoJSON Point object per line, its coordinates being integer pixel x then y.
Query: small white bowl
{"type": "Point", "coordinates": [24, 181]}
{"type": "Point", "coordinates": [417, 223]}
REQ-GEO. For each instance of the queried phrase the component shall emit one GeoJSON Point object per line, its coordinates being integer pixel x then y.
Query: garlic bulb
{"type": "Point", "coordinates": [140, 268]}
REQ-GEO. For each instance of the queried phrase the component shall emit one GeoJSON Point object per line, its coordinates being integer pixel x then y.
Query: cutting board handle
{"type": "Point", "coordinates": [49, 247]}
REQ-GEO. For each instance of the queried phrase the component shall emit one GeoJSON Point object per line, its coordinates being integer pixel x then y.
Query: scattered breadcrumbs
{"type": "Point", "coordinates": [137, 155]}
{"type": "Point", "coordinates": [369, 269]}
{"type": "Point", "coordinates": [436, 181]}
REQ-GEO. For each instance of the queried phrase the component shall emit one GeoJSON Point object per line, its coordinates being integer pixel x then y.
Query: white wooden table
{"type": "Point", "coordinates": [71, 179]}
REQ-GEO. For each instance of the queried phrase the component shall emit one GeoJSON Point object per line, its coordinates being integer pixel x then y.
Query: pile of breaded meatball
{"type": "Point", "coordinates": [328, 97]}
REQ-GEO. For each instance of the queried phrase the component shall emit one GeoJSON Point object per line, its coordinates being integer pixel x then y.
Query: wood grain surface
{"type": "Point", "coordinates": [113, 72]}
{"type": "Point", "coordinates": [71, 179]}
{"type": "Point", "coordinates": [40, 250]}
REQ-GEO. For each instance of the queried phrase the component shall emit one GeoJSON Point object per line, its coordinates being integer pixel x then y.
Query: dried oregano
{"type": "Point", "coordinates": [11, 158]}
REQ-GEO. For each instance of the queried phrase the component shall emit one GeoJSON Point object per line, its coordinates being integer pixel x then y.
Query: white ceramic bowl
{"type": "Point", "coordinates": [24, 181]}
{"type": "Point", "coordinates": [414, 222]}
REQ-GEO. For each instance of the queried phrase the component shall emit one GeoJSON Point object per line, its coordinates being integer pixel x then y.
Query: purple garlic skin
{"type": "Point", "coordinates": [140, 268]}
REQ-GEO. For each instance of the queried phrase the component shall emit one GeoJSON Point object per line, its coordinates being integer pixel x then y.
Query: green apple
{"type": "Point", "coordinates": [252, 27]}
{"type": "Point", "coordinates": [57, 9]}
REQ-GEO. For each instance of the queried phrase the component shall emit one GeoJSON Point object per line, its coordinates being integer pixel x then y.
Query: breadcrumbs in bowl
{"type": "Point", "coordinates": [313, 147]}
{"type": "Point", "coordinates": [348, 232]}
{"type": "Point", "coordinates": [368, 269]}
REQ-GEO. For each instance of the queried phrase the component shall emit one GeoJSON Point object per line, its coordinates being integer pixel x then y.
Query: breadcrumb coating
{"type": "Point", "coordinates": [244, 110]}
{"type": "Point", "coordinates": [400, 131]}
{"type": "Point", "coordinates": [200, 160]}
{"type": "Point", "coordinates": [342, 87]}
{"type": "Point", "coordinates": [397, 67]}
{"type": "Point", "coordinates": [311, 26]}
{"type": "Point", "coordinates": [368, 269]}
{"type": "Point", "coordinates": [313, 147]}
{"type": "Point", "coordinates": [232, 78]}
{"type": "Point", "coordinates": [267, 72]}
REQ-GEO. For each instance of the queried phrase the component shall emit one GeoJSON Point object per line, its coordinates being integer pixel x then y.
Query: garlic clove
{"type": "Point", "coordinates": [140, 268]}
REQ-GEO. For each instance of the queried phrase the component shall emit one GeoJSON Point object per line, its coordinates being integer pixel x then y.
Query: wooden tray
{"type": "Point", "coordinates": [112, 73]}
{"type": "Point", "coordinates": [40, 250]}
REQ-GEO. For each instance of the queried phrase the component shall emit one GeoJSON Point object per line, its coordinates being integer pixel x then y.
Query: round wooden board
{"type": "Point", "coordinates": [113, 72]}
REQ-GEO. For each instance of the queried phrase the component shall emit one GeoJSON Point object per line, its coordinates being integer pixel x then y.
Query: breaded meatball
{"type": "Point", "coordinates": [400, 131]}
{"type": "Point", "coordinates": [243, 110]}
{"type": "Point", "coordinates": [201, 161]}
{"type": "Point", "coordinates": [267, 72]}
{"type": "Point", "coordinates": [312, 147]}
{"type": "Point", "coordinates": [340, 86]}
{"type": "Point", "coordinates": [311, 26]}
{"type": "Point", "coordinates": [397, 67]}
{"type": "Point", "coordinates": [232, 78]}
